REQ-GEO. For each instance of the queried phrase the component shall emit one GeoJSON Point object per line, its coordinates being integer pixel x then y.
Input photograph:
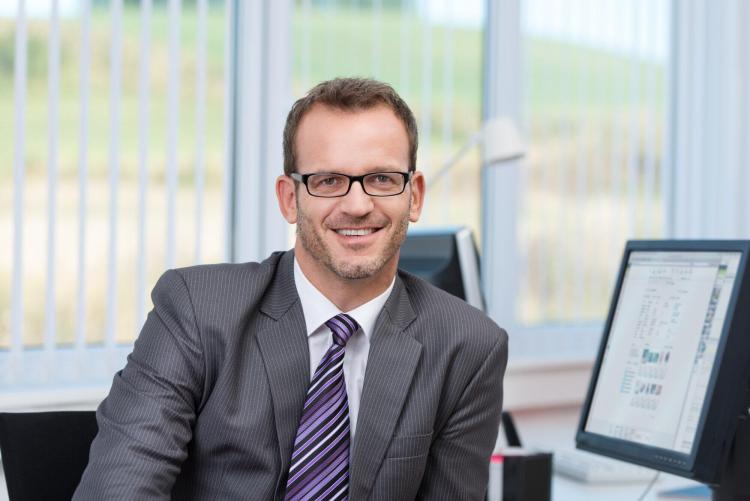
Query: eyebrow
{"type": "Point", "coordinates": [368, 171]}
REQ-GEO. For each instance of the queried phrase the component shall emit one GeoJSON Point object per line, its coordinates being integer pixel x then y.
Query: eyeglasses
{"type": "Point", "coordinates": [332, 184]}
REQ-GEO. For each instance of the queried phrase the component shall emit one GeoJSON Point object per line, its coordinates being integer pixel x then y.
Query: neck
{"type": "Point", "coordinates": [346, 294]}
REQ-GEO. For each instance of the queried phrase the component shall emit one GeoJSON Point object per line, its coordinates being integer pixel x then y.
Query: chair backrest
{"type": "Point", "coordinates": [44, 453]}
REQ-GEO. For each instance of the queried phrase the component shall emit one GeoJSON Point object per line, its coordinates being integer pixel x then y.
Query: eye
{"type": "Point", "coordinates": [326, 181]}
{"type": "Point", "coordinates": [383, 179]}
{"type": "Point", "coordinates": [329, 181]}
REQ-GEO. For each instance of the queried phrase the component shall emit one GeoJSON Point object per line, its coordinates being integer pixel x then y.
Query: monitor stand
{"type": "Point", "coordinates": [735, 480]}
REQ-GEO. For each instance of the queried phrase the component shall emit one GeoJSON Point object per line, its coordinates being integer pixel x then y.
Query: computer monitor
{"type": "Point", "coordinates": [447, 258]}
{"type": "Point", "coordinates": [669, 389]}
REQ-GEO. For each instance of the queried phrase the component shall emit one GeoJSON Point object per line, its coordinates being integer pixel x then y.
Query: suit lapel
{"type": "Point", "coordinates": [391, 363]}
{"type": "Point", "coordinates": [285, 351]}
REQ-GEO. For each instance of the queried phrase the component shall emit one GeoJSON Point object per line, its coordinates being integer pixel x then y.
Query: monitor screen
{"type": "Point", "coordinates": [662, 347]}
{"type": "Point", "coordinates": [667, 386]}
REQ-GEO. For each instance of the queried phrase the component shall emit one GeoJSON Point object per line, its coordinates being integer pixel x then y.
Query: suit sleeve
{"type": "Point", "coordinates": [458, 461]}
{"type": "Point", "coordinates": [146, 421]}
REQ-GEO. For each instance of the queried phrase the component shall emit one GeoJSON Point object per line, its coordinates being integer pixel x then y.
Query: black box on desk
{"type": "Point", "coordinates": [526, 475]}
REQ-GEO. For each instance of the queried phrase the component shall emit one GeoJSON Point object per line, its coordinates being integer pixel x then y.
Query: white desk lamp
{"type": "Point", "coordinates": [501, 143]}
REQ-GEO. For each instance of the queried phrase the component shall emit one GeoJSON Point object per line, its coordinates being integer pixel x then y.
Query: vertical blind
{"type": "Point", "coordinates": [712, 153]}
{"type": "Point", "coordinates": [596, 109]}
{"type": "Point", "coordinates": [115, 117]}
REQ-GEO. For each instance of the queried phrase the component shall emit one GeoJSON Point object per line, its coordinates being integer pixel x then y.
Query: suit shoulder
{"type": "Point", "coordinates": [450, 313]}
{"type": "Point", "coordinates": [223, 285]}
{"type": "Point", "coordinates": [228, 273]}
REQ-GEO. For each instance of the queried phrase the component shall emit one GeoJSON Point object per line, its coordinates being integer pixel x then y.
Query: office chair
{"type": "Point", "coordinates": [44, 453]}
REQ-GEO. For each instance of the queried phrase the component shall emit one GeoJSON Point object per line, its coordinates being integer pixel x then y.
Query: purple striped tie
{"type": "Point", "coordinates": [320, 461]}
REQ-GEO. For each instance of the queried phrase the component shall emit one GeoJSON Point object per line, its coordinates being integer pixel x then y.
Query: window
{"type": "Point", "coordinates": [593, 79]}
{"type": "Point", "coordinates": [143, 135]}
{"type": "Point", "coordinates": [112, 168]}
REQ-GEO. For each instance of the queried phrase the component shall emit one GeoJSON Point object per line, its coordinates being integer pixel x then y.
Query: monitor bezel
{"type": "Point", "coordinates": [729, 377]}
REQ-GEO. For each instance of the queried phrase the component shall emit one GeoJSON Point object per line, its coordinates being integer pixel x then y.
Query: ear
{"type": "Point", "coordinates": [417, 196]}
{"type": "Point", "coordinates": [286, 193]}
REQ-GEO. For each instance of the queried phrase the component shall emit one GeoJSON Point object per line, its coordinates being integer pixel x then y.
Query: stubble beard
{"type": "Point", "coordinates": [313, 243]}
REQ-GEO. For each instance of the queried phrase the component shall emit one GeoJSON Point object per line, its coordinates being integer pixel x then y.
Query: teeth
{"type": "Point", "coordinates": [353, 233]}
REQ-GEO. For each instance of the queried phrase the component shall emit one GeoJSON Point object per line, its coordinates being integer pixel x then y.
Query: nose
{"type": "Point", "coordinates": [357, 202]}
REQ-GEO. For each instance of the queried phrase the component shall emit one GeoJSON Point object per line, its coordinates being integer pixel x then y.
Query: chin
{"type": "Point", "coordinates": [355, 271]}
{"type": "Point", "coordinates": [352, 268]}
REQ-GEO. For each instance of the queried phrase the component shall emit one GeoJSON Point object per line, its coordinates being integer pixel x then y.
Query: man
{"type": "Point", "coordinates": [322, 372]}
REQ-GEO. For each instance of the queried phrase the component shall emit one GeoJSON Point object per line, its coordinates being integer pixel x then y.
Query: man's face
{"type": "Point", "coordinates": [355, 236]}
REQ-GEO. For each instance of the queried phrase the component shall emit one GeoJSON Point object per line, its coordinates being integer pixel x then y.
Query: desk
{"type": "Point", "coordinates": [568, 490]}
{"type": "Point", "coordinates": [555, 429]}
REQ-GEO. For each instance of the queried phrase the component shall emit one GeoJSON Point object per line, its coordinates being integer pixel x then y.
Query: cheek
{"type": "Point", "coordinates": [399, 210]}
{"type": "Point", "coordinates": [314, 214]}
{"type": "Point", "coordinates": [398, 206]}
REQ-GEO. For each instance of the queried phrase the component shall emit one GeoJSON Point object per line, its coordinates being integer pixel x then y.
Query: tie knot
{"type": "Point", "coordinates": [342, 326]}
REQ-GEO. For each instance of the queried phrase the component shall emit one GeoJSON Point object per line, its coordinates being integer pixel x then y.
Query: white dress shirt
{"type": "Point", "coordinates": [318, 309]}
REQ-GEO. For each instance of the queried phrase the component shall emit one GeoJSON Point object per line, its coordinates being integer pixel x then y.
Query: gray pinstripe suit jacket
{"type": "Point", "coordinates": [208, 404]}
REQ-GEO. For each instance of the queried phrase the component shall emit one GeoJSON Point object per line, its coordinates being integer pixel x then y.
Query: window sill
{"type": "Point", "coordinates": [529, 384]}
{"type": "Point", "coordinates": [58, 399]}
{"type": "Point", "coordinates": [536, 384]}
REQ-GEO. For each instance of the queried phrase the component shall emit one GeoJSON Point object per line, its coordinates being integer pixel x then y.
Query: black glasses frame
{"type": "Point", "coordinates": [302, 178]}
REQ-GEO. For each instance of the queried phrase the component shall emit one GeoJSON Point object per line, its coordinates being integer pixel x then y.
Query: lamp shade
{"type": "Point", "coordinates": [502, 141]}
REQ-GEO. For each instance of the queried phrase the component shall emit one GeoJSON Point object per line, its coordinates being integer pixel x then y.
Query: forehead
{"type": "Point", "coordinates": [329, 138]}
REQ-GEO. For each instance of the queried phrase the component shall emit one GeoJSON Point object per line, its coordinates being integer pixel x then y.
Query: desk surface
{"type": "Point", "coordinates": [555, 429]}
{"type": "Point", "coordinates": [569, 490]}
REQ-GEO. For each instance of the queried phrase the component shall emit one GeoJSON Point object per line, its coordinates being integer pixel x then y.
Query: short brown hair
{"type": "Point", "coordinates": [348, 94]}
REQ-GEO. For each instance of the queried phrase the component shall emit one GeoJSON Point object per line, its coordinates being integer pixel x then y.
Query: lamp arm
{"type": "Point", "coordinates": [475, 139]}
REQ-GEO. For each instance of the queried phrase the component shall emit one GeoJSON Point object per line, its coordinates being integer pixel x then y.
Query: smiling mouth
{"type": "Point", "coordinates": [356, 232]}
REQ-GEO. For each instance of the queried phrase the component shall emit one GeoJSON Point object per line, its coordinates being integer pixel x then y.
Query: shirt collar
{"type": "Point", "coordinates": [318, 309]}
